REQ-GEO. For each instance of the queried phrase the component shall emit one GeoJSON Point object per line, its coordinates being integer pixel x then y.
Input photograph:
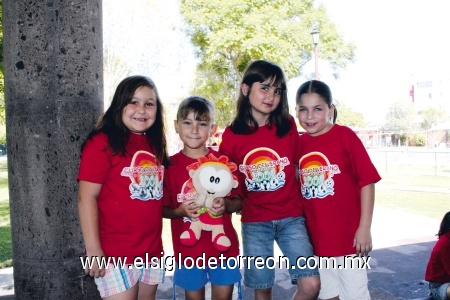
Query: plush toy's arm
{"type": "Point", "coordinates": [217, 207]}
{"type": "Point", "coordinates": [200, 199]}
{"type": "Point", "coordinates": [209, 200]}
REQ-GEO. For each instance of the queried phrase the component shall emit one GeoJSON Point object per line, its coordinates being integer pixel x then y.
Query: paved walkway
{"type": "Point", "coordinates": [402, 245]}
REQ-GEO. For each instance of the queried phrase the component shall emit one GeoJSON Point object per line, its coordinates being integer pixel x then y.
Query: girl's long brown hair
{"type": "Point", "coordinates": [260, 71]}
{"type": "Point", "coordinates": [111, 124]}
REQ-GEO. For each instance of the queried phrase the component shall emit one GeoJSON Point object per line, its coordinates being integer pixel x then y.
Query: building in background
{"type": "Point", "coordinates": [431, 93]}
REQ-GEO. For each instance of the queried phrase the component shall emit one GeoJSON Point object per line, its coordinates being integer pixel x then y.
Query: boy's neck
{"type": "Point", "coordinates": [195, 153]}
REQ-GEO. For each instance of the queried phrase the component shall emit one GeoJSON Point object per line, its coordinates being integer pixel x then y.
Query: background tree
{"type": "Point", "coordinates": [399, 118]}
{"type": "Point", "coordinates": [432, 116]}
{"type": "Point", "coordinates": [210, 84]}
{"type": "Point", "coordinates": [142, 39]}
{"type": "Point", "coordinates": [349, 117]}
{"type": "Point", "coordinates": [228, 34]}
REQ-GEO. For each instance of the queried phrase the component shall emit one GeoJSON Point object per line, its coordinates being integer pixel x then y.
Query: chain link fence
{"type": "Point", "coordinates": [408, 161]}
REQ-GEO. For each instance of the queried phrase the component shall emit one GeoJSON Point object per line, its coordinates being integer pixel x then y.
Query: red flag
{"type": "Point", "coordinates": [411, 92]}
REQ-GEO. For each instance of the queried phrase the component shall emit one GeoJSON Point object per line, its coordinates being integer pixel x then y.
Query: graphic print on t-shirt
{"type": "Point", "coordinates": [263, 170]}
{"type": "Point", "coordinates": [188, 191]}
{"type": "Point", "coordinates": [316, 175]}
{"type": "Point", "coordinates": [146, 177]}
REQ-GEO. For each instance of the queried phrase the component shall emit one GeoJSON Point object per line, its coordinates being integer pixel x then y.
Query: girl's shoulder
{"type": "Point", "coordinates": [228, 135]}
{"type": "Point", "coordinates": [98, 139]}
{"type": "Point", "coordinates": [344, 129]}
{"type": "Point", "coordinates": [99, 136]}
{"type": "Point", "coordinates": [337, 132]}
{"type": "Point", "coordinates": [341, 132]}
{"type": "Point", "coordinates": [346, 133]}
{"type": "Point", "coordinates": [446, 236]}
{"type": "Point", "coordinates": [227, 131]}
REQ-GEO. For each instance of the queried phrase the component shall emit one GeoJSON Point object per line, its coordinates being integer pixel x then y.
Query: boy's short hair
{"type": "Point", "coordinates": [202, 108]}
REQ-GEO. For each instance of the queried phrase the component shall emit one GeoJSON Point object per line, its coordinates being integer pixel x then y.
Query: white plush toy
{"type": "Point", "coordinates": [212, 178]}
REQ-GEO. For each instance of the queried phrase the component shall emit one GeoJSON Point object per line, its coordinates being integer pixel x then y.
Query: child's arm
{"type": "Point", "coordinates": [363, 237]}
{"type": "Point", "coordinates": [88, 193]}
{"type": "Point", "coordinates": [233, 204]}
{"type": "Point", "coordinates": [226, 204]}
{"type": "Point", "coordinates": [186, 209]}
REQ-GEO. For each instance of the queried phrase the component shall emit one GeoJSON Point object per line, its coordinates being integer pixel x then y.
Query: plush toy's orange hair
{"type": "Point", "coordinates": [212, 159]}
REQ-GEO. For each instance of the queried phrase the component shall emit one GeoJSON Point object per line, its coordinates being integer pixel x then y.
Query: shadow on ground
{"type": "Point", "coordinates": [396, 273]}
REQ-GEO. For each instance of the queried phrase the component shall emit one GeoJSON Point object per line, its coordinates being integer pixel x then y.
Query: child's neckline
{"type": "Point", "coordinates": [323, 134]}
{"type": "Point", "coordinates": [199, 155]}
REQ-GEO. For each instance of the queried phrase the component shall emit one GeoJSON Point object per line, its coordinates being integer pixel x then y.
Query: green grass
{"type": "Point", "coordinates": [416, 180]}
{"type": "Point", "coordinates": [5, 247]}
{"type": "Point", "coordinates": [433, 205]}
{"type": "Point", "coordinates": [5, 227]}
{"type": "Point", "coordinates": [423, 203]}
{"type": "Point", "coordinates": [4, 213]}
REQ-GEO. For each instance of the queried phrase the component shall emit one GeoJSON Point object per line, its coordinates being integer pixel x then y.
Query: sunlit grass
{"type": "Point", "coordinates": [5, 247]}
{"type": "Point", "coordinates": [415, 180]}
{"type": "Point", "coordinates": [5, 227]}
{"type": "Point", "coordinates": [433, 205]}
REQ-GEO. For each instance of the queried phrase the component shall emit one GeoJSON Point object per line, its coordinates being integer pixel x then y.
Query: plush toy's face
{"type": "Point", "coordinates": [214, 179]}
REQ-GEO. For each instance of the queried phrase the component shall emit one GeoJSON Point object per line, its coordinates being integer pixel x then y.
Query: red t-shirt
{"type": "Point", "coordinates": [177, 190]}
{"type": "Point", "coordinates": [438, 268]}
{"type": "Point", "coordinates": [129, 204]}
{"type": "Point", "coordinates": [332, 170]}
{"type": "Point", "coordinates": [267, 172]}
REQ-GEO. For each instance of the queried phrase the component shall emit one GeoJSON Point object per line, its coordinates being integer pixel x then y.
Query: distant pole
{"type": "Point", "coordinates": [412, 118]}
{"type": "Point", "coordinates": [315, 36]}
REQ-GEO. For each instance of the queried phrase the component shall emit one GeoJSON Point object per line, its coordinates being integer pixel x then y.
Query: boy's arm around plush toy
{"type": "Point", "coordinates": [233, 204]}
{"type": "Point", "coordinates": [186, 209]}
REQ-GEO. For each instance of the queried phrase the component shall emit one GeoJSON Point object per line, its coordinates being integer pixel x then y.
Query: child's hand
{"type": "Point", "coordinates": [95, 271]}
{"type": "Point", "coordinates": [362, 241]}
{"type": "Point", "coordinates": [218, 207]}
{"type": "Point", "coordinates": [189, 209]}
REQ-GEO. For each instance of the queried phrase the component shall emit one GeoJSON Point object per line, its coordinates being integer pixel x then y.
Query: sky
{"type": "Point", "coordinates": [150, 40]}
{"type": "Point", "coordinates": [398, 42]}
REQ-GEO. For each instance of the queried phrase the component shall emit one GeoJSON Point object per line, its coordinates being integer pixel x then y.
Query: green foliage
{"type": "Point", "coordinates": [5, 227]}
{"type": "Point", "coordinates": [399, 117]}
{"type": "Point", "coordinates": [403, 138]}
{"type": "Point", "coordinates": [418, 139]}
{"type": "Point", "coordinates": [228, 34]}
{"type": "Point", "coordinates": [4, 207]}
{"type": "Point", "coordinates": [432, 116]}
{"type": "Point", "coordinates": [213, 86]}
{"type": "Point", "coordinates": [2, 131]}
{"type": "Point", "coordinates": [349, 117]}
{"type": "Point", "coordinates": [5, 247]}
